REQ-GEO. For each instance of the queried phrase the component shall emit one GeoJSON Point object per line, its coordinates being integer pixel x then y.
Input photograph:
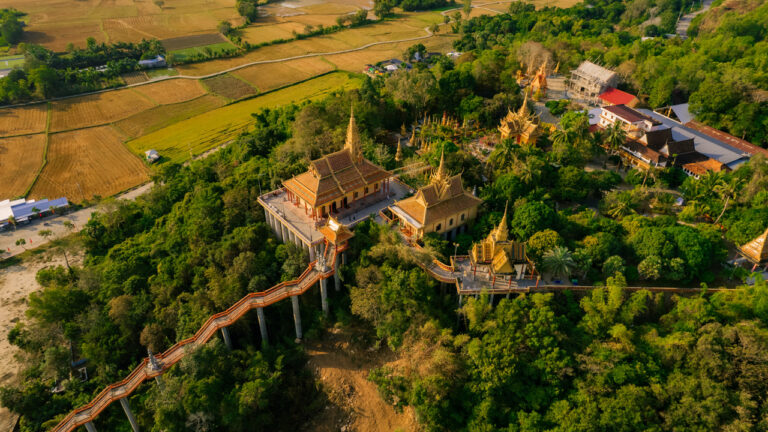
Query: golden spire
{"type": "Point", "coordinates": [441, 174]}
{"type": "Point", "coordinates": [501, 233]}
{"type": "Point", "coordinates": [353, 138]}
{"type": "Point", "coordinates": [524, 107]}
{"type": "Point", "coordinates": [399, 152]}
{"type": "Point", "coordinates": [413, 137]}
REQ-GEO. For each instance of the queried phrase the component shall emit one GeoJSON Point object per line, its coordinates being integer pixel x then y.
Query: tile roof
{"type": "Point", "coordinates": [428, 205]}
{"type": "Point", "coordinates": [629, 114]}
{"type": "Point", "coordinates": [615, 96]}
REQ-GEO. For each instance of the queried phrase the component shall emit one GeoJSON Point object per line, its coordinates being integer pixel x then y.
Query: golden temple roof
{"type": "Point", "coordinates": [756, 250]}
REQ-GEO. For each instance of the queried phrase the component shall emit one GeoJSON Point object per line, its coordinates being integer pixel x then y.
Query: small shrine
{"type": "Point", "coordinates": [756, 251]}
{"type": "Point", "coordinates": [521, 126]}
{"type": "Point", "coordinates": [539, 81]}
{"type": "Point", "coordinates": [504, 256]}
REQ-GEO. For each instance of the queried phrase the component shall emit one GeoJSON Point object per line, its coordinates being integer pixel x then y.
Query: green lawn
{"type": "Point", "coordinates": [206, 131]}
{"type": "Point", "coordinates": [13, 61]}
{"type": "Point", "coordinates": [184, 54]}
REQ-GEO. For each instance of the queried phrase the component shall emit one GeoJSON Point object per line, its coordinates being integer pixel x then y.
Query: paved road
{"type": "Point", "coordinates": [685, 21]}
{"type": "Point", "coordinates": [30, 232]}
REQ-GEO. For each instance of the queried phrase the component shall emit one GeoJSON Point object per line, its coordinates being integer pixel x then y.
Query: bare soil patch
{"type": "Point", "coordinates": [16, 283]}
{"type": "Point", "coordinates": [88, 162]}
{"type": "Point", "coordinates": [354, 402]}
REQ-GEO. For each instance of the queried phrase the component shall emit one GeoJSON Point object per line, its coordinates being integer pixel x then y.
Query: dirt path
{"type": "Point", "coordinates": [16, 283]}
{"type": "Point", "coordinates": [354, 402]}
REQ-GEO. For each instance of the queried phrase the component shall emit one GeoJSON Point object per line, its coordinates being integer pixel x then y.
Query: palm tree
{"type": "Point", "coordinates": [709, 182]}
{"type": "Point", "coordinates": [727, 190]}
{"type": "Point", "coordinates": [504, 153]}
{"type": "Point", "coordinates": [561, 138]}
{"type": "Point", "coordinates": [558, 262]}
{"type": "Point", "coordinates": [616, 138]}
{"type": "Point", "coordinates": [620, 204]}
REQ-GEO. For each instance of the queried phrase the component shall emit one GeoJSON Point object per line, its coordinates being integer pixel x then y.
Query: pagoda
{"type": "Point", "coordinates": [756, 251]}
{"type": "Point", "coordinates": [503, 255]}
{"type": "Point", "coordinates": [521, 126]}
{"type": "Point", "coordinates": [443, 206]}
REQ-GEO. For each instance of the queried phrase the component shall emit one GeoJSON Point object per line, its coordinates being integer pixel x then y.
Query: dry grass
{"type": "Point", "coordinates": [21, 158]}
{"type": "Point", "coordinates": [269, 32]}
{"type": "Point", "coordinates": [270, 76]}
{"type": "Point", "coordinates": [172, 91]}
{"type": "Point", "coordinates": [230, 87]}
{"type": "Point", "coordinates": [184, 42]}
{"type": "Point", "coordinates": [355, 61]}
{"type": "Point", "coordinates": [97, 109]}
{"type": "Point", "coordinates": [86, 163]}
{"type": "Point", "coordinates": [23, 120]}
{"type": "Point", "coordinates": [55, 23]}
{"type": "Point", "coordinates": [162, 116]}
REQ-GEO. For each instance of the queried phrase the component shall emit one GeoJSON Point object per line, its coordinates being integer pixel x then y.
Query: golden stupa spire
{"type": "Point", "coordinates": [353, 138]}
{"type": "Point", "coordinates": [501, 233]}
{"type": "Point", "coordinates": [441, 174]}
{"type": "Point", "coordinates": [524, 107]}
{"type": "Point", "coordinates": [399, 152]}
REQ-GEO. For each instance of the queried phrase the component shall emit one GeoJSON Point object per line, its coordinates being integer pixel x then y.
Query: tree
{"type": "Point", "coordinates": [224, 27]}
{"type": "Point", "coordinates": [434, 28]}
{"type": "Point", "coordinates": [727, 190]}
{"type": "Point", "coordinates": [616, 138]}
{"type": "Point", "coordinates": [467, 8]}
{"type": "Point", "coordinates": [541, 242]}
{"type": "Point", "coordinates": [650, 268]}
{"type": "Point", "coordinates": [382, 8]}
{"type": "Point", "coordinates": [414, 88]}
{"type": "Point", "coordinates": [618, 204]}
{"type": "Point", "coordinates": [558, 262]}
{"type": "Point", "coordinates": [531, 218]}
{"type": "Point", "coordinates": [159, 3]}
{"type": "Point", "coordinates": [11, 30]}
{"type": "Point", "coordinates": [21, 242]}
{"type": "Point", "coordinates": [614, 264]}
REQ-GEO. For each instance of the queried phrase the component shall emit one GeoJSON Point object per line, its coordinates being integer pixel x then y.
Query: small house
{"type": "Point", "coordinates": [157, 62]}
{"type": "Point", "coordinates": [152, 155]}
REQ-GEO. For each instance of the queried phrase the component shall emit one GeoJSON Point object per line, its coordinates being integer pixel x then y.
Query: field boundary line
{"type": "Point", "coordinates": [49, 114]}
{"type": "Point", "coordinates": [131, 137]}
{"type": "Point", "coordinates": [145, 96]}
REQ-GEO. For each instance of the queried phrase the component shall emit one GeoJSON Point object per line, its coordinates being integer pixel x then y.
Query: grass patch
{"type": "Point", "coordinates": [204, 51]}
{"type": "Point", "coordinates": [9, 62]}
{"type": "Point", "coordinates": [206, 131]}
{"type": "Point", "coordinates": [159, 73]}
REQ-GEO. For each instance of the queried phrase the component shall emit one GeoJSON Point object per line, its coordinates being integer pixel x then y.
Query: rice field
{"type": "Point", "coordinates": [21, 159]}
{"type": "Point", "coordinates": [216, 127]}
{"type": "Point", "coordinates": [159, 117]}
{"type": "Point", "coordinates": [230, 87]}
{"type": "Point", "coordinates": [135, 77]}
{"type": "Point", "coordinates": [55, 23]}
{"type": "Point", "coordinates": [97, 109]}
{"type": "Point", "coordinates": [86, 163]}
{"type": "Point", "coordinates": [270, 76]}
{"type": "Point", "coordinates": [171, 91]}
{"type": "Point", "coordinates": [187, 53]}
{"type": "Point", "coordinates": [28, 119]}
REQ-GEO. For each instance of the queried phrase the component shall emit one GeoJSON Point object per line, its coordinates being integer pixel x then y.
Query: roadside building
{"type": "Point", "coordinates": [22, 210]}
{"type": "Point", "coordinates": [443, 207]}
{"type": "Point", "coordinates": [152, 155]}
{"type": "Point", "coordinates": [157, 62]}
{"type": "Point", "coordinates": [589, 81]}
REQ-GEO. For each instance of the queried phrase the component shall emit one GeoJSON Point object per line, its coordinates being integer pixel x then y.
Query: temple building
{"type": "Point", "coordinates": [443, 207]}
{"type": "Point", "coordinates": [337, 179]}
{"type": "Point", "coordinates": [589, 81]}
{"type": "Point", "coordinates": [504, 256]}
{"type": "Point", "coordinates": [521, 126]}
{"type": "Point", "coordinates": [756, 251]}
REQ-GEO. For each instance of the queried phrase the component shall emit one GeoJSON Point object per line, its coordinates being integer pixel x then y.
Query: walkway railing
{"type": "Point", "coordinates": [174, 354]}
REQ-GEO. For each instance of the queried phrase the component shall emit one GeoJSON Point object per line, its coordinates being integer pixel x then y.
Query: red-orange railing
{"type": "Point", "coordinates": [175, 353]}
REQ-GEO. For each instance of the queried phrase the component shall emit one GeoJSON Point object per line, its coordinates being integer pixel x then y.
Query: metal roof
{"type": "Point", "coordinates": [704, 144]}
{"type": "Point", "coordinates": [590, 69]}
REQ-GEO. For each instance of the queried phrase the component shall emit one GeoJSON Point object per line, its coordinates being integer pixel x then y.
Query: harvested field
{"type": "Point", "coordinates": [270, 76]}
{"type": "Point", "coordinates": [162, 116]}
{"type": "Point", "coordinates": [230, 87]}
{"type": "Point", "coordinates": [270, 32]}
{"type": "Point", "coordinates": [135, 77]}
{"type": "Point", "coordinates": [86, 163]}
{"type": "Point", "coordinates": [185, 42]}
{"type": "Point", "coordinates": [355, 61]}
{"type": "Point", "coordinates": [96, 109]}
{"type": "Point", "coordinates": [20, 159]}
{"type": "Point", "coordinates": [172, 91]}
{"type": "Point", "coordinates": [55, 23]}
{"type": "Point", "coordinates": [209, 130]}
{"type": "Point", "coordinates": [202, 51]}
{"type": "Point", "coordinates": [23, 120]}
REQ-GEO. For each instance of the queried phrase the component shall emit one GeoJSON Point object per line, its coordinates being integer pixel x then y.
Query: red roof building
{"type": "Point", "coordinates": [614, 96]}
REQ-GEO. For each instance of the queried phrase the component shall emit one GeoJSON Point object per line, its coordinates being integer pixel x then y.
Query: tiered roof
{"type": "Point", "coordinates": [498, 251]}
{"type": "Point", "coordinates": [442, 197]}
{"type": "Point", "coordinates": [756, 250]}
{"type": "Point", "coordinates": [336, 174]}
{"type": "Point", "coordinates": [519, 123]}
{"type": "Point", "coordinates": [335, 231]}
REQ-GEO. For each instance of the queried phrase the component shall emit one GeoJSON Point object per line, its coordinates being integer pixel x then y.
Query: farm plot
{"type": "Point", "coordinates": [20, 159]}
{"type": "Point", "coordinates": [97, 109]}
{"type": "Point", "coordinates": [172, 91]}
{"type": "Point", "coordinates": [270, 32]}
{"type": "Point", "coordinates": [209, 130]}
{"type": "Point", "coordinates": [198, 51]}
{"type": "Point", "coordinates": [166, 115]}
{"type": "Point", "coordinates": [230, 87]}
{"type": "Point", "coordinates": [135, 77]}
{"type": "Point", "coordinates": [23, 120]}
{"type": "Point", "coordinates": [356, 60]}
{"type": "Point", "coordinates": [9, 62]}
{"type": "Point", "coordinates": [87, 163]}
{"type": "Point", "coordinates": [55, 23]}
{"type": "Point", "coordinates": [184, 42]}
{"type": "Point", "coordinates": [270, 76]}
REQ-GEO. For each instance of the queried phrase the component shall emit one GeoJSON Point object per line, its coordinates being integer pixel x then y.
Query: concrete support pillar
{"type": "Point", "coordinates": [344, 258]}
{"type": "Point", "coordinates": [490, 301]}
{"type": "Point", "coordinates": [312, 253]}
{"type": "Point", "coordinates": [279, 229]}
{"type": "Point", "coordinates": [336, 277]}
{"type": "Point", "coordinates": [460, 298]}
{"type": "Point", "coordinates": [297, 317]}
{"type": "Point", "coordinates": [90, 427]}
{"type": "Point", "coordinates": [285, 237]}
{"type": "Point", "coordinates": [227, 339]}
{"type": "Point", "coordinates": [159, 381]}
{"type": "Point", "coordinates": [324, 295]}
{"type": "Point", "coordinates": [262, 326]}
{"type": "Point", "coordinates": [129, 414]}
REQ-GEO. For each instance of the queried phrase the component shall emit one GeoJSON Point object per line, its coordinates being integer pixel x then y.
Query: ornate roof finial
{"type": "Point", "coordinates": [524, 107]}
{"type": "Point", "coordinates": [501, 233]}
{"type": "Point", "coordinates": [441, 174]}
{"type": "Point", "coordinates": [353, 138]}
{"type": "Point", "coordinates": [398, 153]}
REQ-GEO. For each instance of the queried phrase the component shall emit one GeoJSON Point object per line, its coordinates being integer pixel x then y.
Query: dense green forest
{"type": "Point", "coordinates": [156, 268]}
